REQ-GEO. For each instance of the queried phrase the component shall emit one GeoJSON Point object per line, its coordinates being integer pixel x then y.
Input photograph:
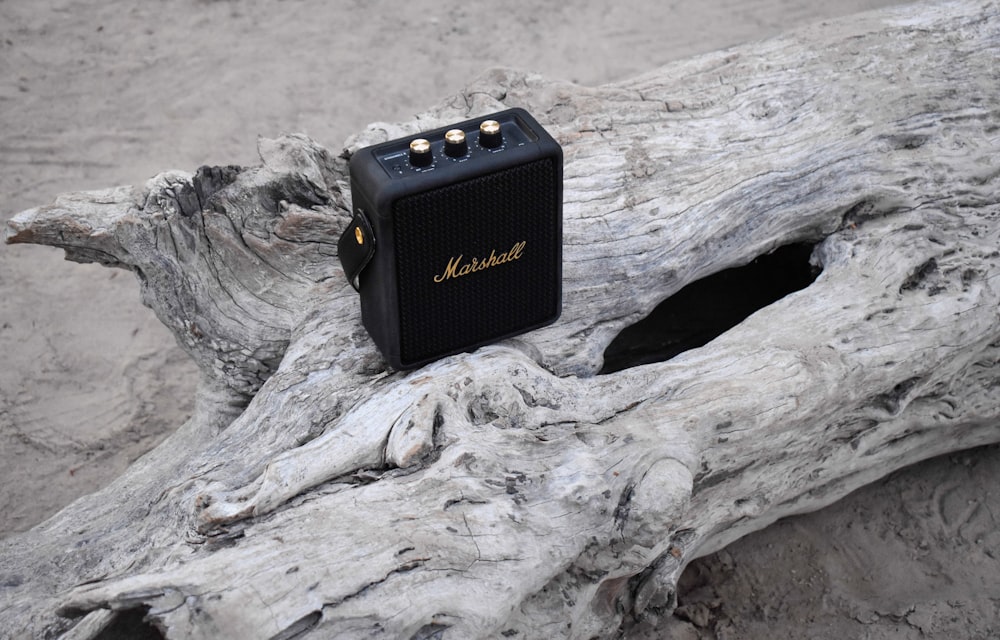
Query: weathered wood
{"type": "Point", "coordinates": [513, 492]}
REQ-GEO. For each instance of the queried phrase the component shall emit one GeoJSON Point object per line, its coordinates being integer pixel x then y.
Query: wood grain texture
{"type": "Point", "coordinates": [512, 492]}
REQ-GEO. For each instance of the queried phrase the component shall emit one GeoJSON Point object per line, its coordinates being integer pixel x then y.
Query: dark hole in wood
{"type": "Point", "coordinates": [130, 624]}
{"type": "Point", "coordinates": [699, 312]}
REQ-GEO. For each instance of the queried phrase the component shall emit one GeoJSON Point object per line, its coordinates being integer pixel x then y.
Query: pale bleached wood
{"type": "Point", "coordinates": [512, 492]}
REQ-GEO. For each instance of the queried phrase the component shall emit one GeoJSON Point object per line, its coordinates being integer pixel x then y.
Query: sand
{"type": "Point", "coordinates": [100, 94]}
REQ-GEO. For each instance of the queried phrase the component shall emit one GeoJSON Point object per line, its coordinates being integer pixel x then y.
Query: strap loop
{"type": "Point", "coordinates": [356, 248]}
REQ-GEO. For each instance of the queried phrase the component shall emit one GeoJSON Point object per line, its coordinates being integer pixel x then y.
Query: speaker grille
{"type": "Point", "coordinates": [472, 219]}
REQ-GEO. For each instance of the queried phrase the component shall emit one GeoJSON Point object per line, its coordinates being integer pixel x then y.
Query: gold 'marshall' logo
{"type": "Point", "coordinates": [456, 269]}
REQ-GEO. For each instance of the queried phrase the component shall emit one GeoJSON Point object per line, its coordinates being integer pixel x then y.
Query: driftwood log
{"type": "Point", "coordinates": [523, 491]}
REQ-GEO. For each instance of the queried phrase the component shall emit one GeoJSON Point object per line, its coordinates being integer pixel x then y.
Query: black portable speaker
{"type": "Point", "coordinates": [456, 239]}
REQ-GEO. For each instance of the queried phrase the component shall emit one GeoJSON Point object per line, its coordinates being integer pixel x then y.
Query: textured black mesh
{"type": "Point", "coordinates": [472, 219]}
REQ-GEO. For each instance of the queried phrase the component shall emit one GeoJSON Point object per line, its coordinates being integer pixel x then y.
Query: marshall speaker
{"type": "Point", "coordinates": [456, 239]}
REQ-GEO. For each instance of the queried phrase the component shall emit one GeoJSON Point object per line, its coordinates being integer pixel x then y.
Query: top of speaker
{"type": "Point", "coordinates": [433, 159]}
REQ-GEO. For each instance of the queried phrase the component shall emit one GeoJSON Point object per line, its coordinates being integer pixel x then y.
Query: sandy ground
{"type": "Point", "coordinates": [100, 94]}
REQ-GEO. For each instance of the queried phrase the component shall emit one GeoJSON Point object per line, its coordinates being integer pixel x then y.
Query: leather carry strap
{"type": "Point", "coordinates": [356, 247]}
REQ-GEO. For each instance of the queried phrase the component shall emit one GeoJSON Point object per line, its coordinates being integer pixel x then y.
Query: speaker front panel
{"type": "Point", "coordinates": [477, 260]}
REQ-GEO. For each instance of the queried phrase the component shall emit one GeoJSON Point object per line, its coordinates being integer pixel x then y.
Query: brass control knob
{"type": "Point", "coordinates": [455, 145]}
{"type": "Point", "coordinates": [420, 153]}
{"type": "Point", "coordinates": [489, 134]}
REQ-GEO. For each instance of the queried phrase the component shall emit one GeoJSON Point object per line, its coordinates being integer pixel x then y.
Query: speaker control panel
{"type": "Point", "coordinates": [472, 141]}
